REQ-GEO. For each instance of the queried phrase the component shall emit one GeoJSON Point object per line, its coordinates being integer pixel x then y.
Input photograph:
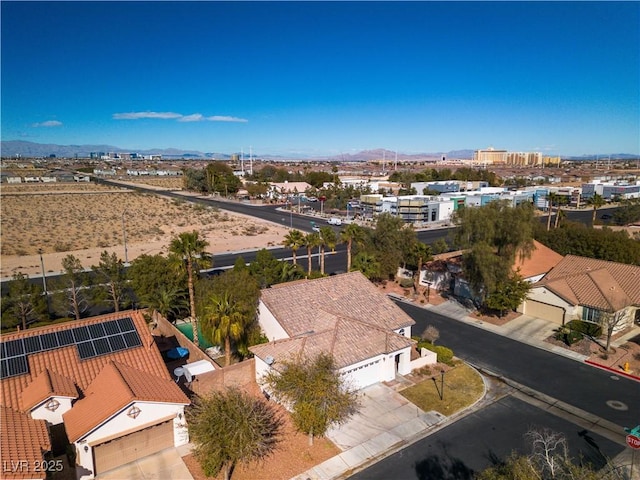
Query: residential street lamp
{"type": "Point", "coordinates": [44, 281]}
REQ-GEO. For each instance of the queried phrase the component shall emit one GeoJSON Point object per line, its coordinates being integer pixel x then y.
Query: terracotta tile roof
{"type": "Point", "coordinates": [66, 362]}
{"type": "Point", "coordinates": [349, 341]}
{"type": "Point", "coordinates": [316, 305]}
{"type": "Point", "coordinates": [23, 439]}
{"type": "Point", "coordinates": [115, 387]}
{"type": "Point", "coordinates": [541, 261]}
{"type": "Point", "coordinates": [46, 385]}
{"type": "Point", "coordinates": [600, 284]}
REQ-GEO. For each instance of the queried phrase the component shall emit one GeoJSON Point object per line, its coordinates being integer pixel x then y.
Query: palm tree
{"type": "Point", "coordinates": [329, 239]}
{"type": "Point", "coordinates": [367, 264]}
{"type": "Point", "coordinates": [311, 240]}
{"type": "Point", "coordinates": [552, 198]}
{"type": "Point", "coordinates": [561, 200]}
{"type": "Point", "coordinates": [223, 321]}
{"type": "Point", "coordinates": [596, 201]}
{"type": "Point", "coordinates": [352, 233]}
{"type": "Point", "coordinates": [188, 247]}
{"type": "Point", "coordinates": [294, 240]}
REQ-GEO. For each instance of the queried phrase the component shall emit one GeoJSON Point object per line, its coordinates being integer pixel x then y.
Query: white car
{"type": "Point", "coordinates": [334, 221]}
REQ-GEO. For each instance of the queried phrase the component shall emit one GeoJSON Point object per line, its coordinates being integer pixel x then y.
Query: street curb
{"type": "Point", "coordinates": [614, 370]}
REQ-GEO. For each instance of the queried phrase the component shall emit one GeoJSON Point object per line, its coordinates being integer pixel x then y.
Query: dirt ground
{"type": "Point", "coordinates": [86, 219]}
{"type": "Point", "coordinates": [293, 456]}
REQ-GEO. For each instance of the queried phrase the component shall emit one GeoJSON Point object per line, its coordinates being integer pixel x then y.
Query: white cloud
{"type": "Point", "coordinates": [48, 123]}
{"type": "Point", "coordinates": [224, 118]}
{"type": "Point", "coordinates": [138, 115]}
{"type": "Point", "coordinates": [195, 117]}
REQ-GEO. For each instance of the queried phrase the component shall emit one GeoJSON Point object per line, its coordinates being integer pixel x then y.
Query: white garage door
{"type": "Point", "coordinates": [129, 448]}
{"type": "Point", "coordinates": [544, 310]}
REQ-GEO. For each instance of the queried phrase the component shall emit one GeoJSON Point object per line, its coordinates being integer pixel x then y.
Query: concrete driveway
{"type": "Point", "coordinates": [385, 416]}
{"type": "Point", "coordinates": [164, 465]}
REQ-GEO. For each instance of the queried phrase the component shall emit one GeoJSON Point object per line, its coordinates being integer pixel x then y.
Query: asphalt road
{"type": "Point", "coordinates": [483, 438]}
{"type": "Point", "coordinates": [599, 392]}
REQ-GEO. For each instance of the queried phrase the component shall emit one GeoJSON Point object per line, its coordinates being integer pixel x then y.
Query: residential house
{"type": "Point", "coordinates": [586, 289]}
{"type": "Point", "coordinates": [99, 384]}
{"type": "Point", "coordinates": [444, 272]}
{"type": "Point", "coordinates": [344, 315]}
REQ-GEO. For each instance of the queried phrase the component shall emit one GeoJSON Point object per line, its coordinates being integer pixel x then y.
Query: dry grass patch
{"type": "Point", "coordinates": [463, 386]}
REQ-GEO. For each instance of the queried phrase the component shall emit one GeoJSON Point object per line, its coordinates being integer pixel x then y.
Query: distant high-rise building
{"type": "Point", "coordinates": [490, 156]}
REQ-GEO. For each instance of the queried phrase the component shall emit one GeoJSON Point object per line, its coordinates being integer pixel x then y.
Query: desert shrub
{"type": "Point", "coordinates": [567, 335]}
{"type": "Point", "coordinates": [406, 282]}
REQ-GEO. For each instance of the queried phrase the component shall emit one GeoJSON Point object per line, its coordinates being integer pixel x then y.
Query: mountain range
{"type": "Point", "coordinates": [20, 148]}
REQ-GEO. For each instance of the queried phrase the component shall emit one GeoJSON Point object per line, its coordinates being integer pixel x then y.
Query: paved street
{"type": "Point", "coordinates": [480, 439]}
{"type": "Point", "coordinates": [601, 393]}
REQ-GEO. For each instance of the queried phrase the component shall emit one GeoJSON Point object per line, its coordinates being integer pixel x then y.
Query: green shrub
{"type": "Point", "coordinates": [586, 328]}
{"type": "Point", "coordinates": [567, 335]}
{"type": "Point", "coordinates": [445, 355]}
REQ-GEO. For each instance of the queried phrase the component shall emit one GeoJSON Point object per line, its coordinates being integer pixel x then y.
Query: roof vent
{"type": "Point", "coordinates": [269, 360]}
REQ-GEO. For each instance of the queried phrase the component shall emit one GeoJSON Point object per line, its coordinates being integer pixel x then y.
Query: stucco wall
{"type": "Point", "coordinates": [55, 417]}
{"type": "Point", "coordinates": [269, 324]}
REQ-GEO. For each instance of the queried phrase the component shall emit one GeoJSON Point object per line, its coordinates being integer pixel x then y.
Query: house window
{"type": "Point", "coordinates": [591, 314]}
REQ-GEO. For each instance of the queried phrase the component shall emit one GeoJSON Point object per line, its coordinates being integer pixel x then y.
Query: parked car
{"type": "Point", "coordinates": [334, 221]}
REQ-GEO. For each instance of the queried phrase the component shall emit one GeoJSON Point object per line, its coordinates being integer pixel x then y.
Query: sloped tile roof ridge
{"type": "Point", "coordinates": [45, 385]}
{"type": "Point", "coordinates": [612, 292]}
{"type": "Point", "coordinates": [23, 439]}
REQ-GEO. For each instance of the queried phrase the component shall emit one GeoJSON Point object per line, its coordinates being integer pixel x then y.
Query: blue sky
{"type": "Point", "coordinates": [324, 78]}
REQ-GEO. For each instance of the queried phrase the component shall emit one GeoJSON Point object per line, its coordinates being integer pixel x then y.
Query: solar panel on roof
{"type": "Point", "coordinates": [126, 324]}
{"type": "Point", "coordinates": [81, 334]}
{"type": "Point", "coordinates": [14, 366]}
{"type": "Point", "coordinates": [116, 342]}
{"type": "Point", "coordinates": [49, 341]}
{"type": "Point", "coordinates": [132, 339]}
{"type": "Point", "coordinates": [86, 350]}
{"type": "Point", "coordinates": [101, 346]}
{"type": "Point", "coordinates": [14, 348]}
{"type": "Point", "coordinates": [111, 327]}
{"type": "Point", "coordinates": [32, 344]}
{"type": "Point", "coordinates": [65, 337]}
{"type": "Point", "coordinates": [96, 330]}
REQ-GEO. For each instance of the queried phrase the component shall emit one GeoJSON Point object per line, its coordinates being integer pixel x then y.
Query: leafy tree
{"type": "Point", "coordinates": [232, 427]}
{"type": "Point", "coordinates": [573, 238]}
{"type": "Point", "coordinates": [110, 280]}
{"type": "Point", "coordinates": [265, 268]}
{"type": "Point", "coordinates": [388, 242]}
{"type": "Point", "coordinates": [72, 288]}
{"type": "Point", "coordinates": [311, 240]}
{"type": "Point", "coordinates": [155, 284]}
{"type": "Point", "coordinates": [316, 391]}
{"type": "Point", "coordinates": [596, 201]}
{"type": "Point", "coordinates": [24, 303]}
{"type": "Point", "coordinates": [352, 233]}
{"type": "Point", "coordinates": [189, 249]}
{"type": "Point", "coordinates": [430, 334]}
{"type": "Point", "coordinates": [294, 240]}
{"type": "Point", "coordinates": [220, 178]}
{"type": "Point", "coordinates": [329, 239]}
{"type": "Point", "coordinates": [223, 322]}
{"type": "Point", "coordinates": [194, 180]}
{"type": "Point", "coordinates": [493, 236]}
{"type": "Point", "coordinates": [439, 246]}
{"type": "Point", "coordinates": [507, 295]}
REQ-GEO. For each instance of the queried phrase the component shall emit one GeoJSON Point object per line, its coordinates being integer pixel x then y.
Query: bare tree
{"type": "Point", "coordinates": [72, 291]}
{"type": "Point", "coordinates": [610, 321]}
{"type": "Point", "coordinates": [549, 451]}
{"type": "Point", "coordinates": [431, 334]}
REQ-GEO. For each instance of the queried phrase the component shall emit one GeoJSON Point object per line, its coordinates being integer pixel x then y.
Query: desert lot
{"type": "Point", "coordinates": [87, 219]}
